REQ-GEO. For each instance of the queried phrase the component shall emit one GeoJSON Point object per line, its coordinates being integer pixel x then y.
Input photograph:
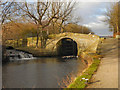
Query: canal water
{"type": "Point", "coordinates": [39, 73]}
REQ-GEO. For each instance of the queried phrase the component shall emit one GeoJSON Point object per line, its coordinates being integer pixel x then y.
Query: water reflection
{"type": "Point", "coordinates": [40, 73]}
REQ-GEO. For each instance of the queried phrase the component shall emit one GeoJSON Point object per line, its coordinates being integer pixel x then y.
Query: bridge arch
{"type": "Point", "coordinates": [84, 42]}
{"type": "Point", "coordinates": [66, 47]}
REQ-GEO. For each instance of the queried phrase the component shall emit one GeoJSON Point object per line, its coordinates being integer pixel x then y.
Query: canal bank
{"type": "Point", "coordinates": [107, 74]}
{"type": "Point", "coordinates": [103, 72]}
{"type": "Point", "coordinates": [83, 79]}
{"type": "Point", "coordinates": [93, 60]}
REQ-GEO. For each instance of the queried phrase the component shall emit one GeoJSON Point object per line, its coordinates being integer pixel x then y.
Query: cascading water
{"type": "Point", "coordinates": [13, 54]}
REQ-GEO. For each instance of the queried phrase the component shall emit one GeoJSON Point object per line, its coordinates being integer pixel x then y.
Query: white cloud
{"type": "Point", "coordinates": [100, 28]}
{"type": "Point", "coordinates": [101, 18]}
{"type": "Point", "coordinates": [90, 10]}
{"type": "Point", "coordinates": [87, 25]}
{"type": "Point", "coordinates": [93, 14]}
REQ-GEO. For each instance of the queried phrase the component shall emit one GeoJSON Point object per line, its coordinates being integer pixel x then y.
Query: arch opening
{"type": "Point", "coordinates": [67, 47]}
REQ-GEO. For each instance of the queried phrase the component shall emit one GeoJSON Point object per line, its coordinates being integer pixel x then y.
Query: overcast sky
{"type": "Point", "coordinates": [92, 14]}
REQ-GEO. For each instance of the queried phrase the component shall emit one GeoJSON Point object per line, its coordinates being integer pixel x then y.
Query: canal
{"type": "Point", "coordinates": [39, 73]}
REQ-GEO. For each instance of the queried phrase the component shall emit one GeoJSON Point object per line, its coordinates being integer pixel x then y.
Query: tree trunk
{"type": "Point", "coordinates": [24, 42]}
{"type": "Point", "coordinates": [117, 29]}
{"type": "Point", "coordinates": [44, 37]}
{"type": "Point", "coordinates": [37, 41]}
{"type": "Point", "coordinates": [17, 43]}
{"type": "Point", "coordinates": [44, 43]}
{"type": "Point", "coordinates": [116, 32]}
{"type": "Point", "coordinates": [60, 27]}
{"type": "Point", "coordinates": [41, 41]}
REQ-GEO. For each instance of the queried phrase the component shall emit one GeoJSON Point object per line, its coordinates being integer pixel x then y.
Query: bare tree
{"type": "Point", "coordinates": [65, 14]}
{"type": "Point", "coordinates": [43, 13]}
{"type": "Point", "coordinates": [75, 28]}
{"type": "Point", "coordinates": [7, 13]}
{"type": "Point", "coordinates": [113, 18]}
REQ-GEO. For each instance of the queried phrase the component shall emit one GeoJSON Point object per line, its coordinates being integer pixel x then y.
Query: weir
{"type": "Point", "coordinates": [13, 54]}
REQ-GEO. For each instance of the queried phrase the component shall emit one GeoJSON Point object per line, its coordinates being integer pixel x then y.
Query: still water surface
{"type": "Point", "coordinates": [40, 73]}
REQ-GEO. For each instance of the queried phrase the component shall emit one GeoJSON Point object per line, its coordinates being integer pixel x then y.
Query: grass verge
{"type": "Point", "coordinates": [82, 83]}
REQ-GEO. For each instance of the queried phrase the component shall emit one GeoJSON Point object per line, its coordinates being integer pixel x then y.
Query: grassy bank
{"type": "Point", "coordinates": [80, 82]}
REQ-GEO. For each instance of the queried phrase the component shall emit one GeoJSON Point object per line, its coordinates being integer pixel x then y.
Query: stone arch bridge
{"type": "Point", "coordinates": [73, 43]}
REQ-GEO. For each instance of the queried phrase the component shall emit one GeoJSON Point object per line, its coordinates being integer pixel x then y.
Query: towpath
{"type": "Point", "coordinates": [107, 73]}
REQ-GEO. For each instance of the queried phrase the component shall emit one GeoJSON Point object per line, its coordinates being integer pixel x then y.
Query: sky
{"type": "Point", "coordinates": [91, 12]}
{"type": "Point", "coordinates": [92, 15]}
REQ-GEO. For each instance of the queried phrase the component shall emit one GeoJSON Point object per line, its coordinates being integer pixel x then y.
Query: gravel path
{"type": "Point", "coordinates": [107, 73]}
